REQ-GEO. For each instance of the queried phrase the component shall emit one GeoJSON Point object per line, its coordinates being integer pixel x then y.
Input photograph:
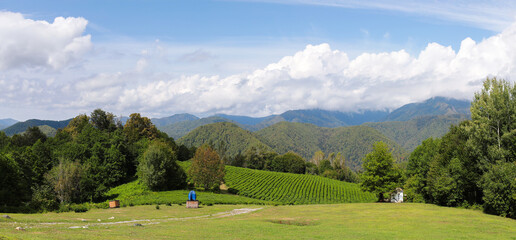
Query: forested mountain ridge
{"type": "Point", "coordinates": [4, 123]}
{"type": "Point", "coordinates": [324, 118]}
{"type": "Point", "coordinates": [234, 139]}
{"type": "Point", "coordinates": [432, 107]}
{"type": "Point", "coordinates": [305, 139]}
{"type": "Point", "coordinates": [302, 138]}
{"type": "Point", "coordinates": [437, 106]}
{"type": "Point", "coordinates": [180, 129]}
{"type": "Point", "coordinates": [176, 118]}
{"type": "Point", "coordinates": [179, 125]}
{"type": "Point", "coordinates": [20, 127]}
{"type": "Point", "coordinates": [409, 134]}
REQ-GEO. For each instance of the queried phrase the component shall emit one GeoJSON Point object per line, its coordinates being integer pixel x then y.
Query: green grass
{"type": "Point", "coordinates": [329, 221]}
{"type": "Point", "coordinates": [291, 188]}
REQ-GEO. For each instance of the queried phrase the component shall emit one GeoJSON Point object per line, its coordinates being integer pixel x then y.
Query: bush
{"type": "Point", "coordinates": [158, 169]}
{"type": "Point", "coordinates": [44, 199]}
{"type": "Point", "coordinates": [499, 187]}
{"type": "Point", "coordinates": [288, 162]}
{"type": "Point", "coordinates": [79, 208]}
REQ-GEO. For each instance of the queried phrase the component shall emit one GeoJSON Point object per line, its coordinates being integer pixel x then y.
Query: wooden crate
{"type": "Point", "coordinates": [114, 204]}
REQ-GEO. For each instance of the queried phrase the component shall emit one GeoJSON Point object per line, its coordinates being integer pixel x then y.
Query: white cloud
{"type": "Point", "coordinates": [320, 77]}
{"type": "Point", "coordinates": [315, 77]}
{"type": "Point", "coordinates": [29, 43]}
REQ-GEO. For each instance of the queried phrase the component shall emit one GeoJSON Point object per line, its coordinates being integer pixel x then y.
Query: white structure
{"type": "Point", "coordinates": [397, 196]}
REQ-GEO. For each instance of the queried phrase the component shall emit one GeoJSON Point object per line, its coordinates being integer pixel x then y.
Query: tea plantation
{"type": "Point", "coordinates": [289, 188]}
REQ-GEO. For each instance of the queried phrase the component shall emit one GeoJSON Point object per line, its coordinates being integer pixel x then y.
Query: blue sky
{"type": "Point", "coordinates": [245, 57]}
{"type": "Point", "coordinates": [246, 23]}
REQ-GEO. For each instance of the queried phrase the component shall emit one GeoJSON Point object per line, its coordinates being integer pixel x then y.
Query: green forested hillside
{"type": "Point", "coordinates": [22, 126]}
{"type": "Point", "coordinates": [301, 138]}
{"type": "Point", "coordinates": [409, 134]}
{"type": "Point", "coordinates": [173, 119]}
{"type": "Point", "coordinates": [432, 107]}
{"type": "Point", "coordinates": [180, 129]}
{"type": "Point", "coordinates": [234, 138]}
{"type": "Point", "coordinates": [306, 139]}
{"type": "Point", "coordinates": [357, 141]}
{"type": "Point", "coordinates": [48, 130]}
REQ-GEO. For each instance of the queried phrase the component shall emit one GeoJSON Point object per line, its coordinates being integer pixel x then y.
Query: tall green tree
{"type": "Point", "coordinates": [103, 121]}
{"type": "Point", "coordinates": [380, 175]}
{"type": "Point", "coordinates": [418, 166]}
{"type": "Point", "coordinates": [207, 168]}
{"type": "Point", "coordinates": [65, 180]}
{"type": "Point", "coordinates": [158, 168]}
{"type": "Point", "coordinates": [11, 182]}
{"type": "Point", "coordinates": [138, 127]}
{"type": "Point", "coordinates": [76, 125]}
{"type": "Point", "coordinates": [493, 115]}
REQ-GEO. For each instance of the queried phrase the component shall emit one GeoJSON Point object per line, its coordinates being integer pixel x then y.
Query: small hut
{"type": "Point", "coordinates": [397, 196]}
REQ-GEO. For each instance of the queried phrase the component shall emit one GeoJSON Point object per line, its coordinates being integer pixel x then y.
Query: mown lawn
{"type": "Point", "coordinates": [336, 221]}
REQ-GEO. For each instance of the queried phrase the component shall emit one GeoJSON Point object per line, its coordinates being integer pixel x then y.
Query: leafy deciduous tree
{"type": "Point", "coordinates": [137, 127]}
{"type": "Point", "coordinates": [158, 168]}
{"type": "Point", "coordinates": [65, 180]}
{"type": "Point", "coordinates": [380, 175]}
{"type": "Point", "coordinates": [207, 168]}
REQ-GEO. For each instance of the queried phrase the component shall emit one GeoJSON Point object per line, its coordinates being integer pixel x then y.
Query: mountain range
{"type": "Point", "coordinates": [305, 131]}
{"type": "Point", "coordinates": [21, 127]}
{"type": "Point", "coordinates": [4, 123]}
{"type": "Point", "coordinates": [448, 108]}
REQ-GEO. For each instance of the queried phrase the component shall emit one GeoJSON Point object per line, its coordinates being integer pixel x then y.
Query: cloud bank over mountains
{"type": "Point", "coordinates": [35, 72]}
{"type": "Point", "coordinates": [320, 77]}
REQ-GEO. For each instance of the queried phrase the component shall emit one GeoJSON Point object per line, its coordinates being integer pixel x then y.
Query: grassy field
{"type": "Point", "coordinates": [336, 221]}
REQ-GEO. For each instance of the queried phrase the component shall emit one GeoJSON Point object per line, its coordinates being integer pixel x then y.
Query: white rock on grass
{"type": "Point", "coordinates": [20, 229]}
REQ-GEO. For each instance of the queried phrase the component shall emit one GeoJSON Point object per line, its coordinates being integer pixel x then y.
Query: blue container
{"type": "Point", "coordinates": [191, 196]}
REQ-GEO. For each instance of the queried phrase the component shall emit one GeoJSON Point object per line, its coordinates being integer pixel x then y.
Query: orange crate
{"type": "Point", "coordinates": [114, 204]}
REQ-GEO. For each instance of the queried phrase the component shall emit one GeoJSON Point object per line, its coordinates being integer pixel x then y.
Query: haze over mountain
{"type": "Point", "coordinates": [6, 122]}
{"type": "Point", "coordinates": [409, 134]}
{"type": "Point", "coordinates": [21, 127]}
{"type": "Point", "coordinates": [176, 118]}
{"type": "Point", "coordinates": [432, 107]}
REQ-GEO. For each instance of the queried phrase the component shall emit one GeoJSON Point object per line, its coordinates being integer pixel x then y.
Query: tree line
{"type": "Point", "coordinates": [85, 159]}
{"type": "Point", "coordinates": [473, 165]}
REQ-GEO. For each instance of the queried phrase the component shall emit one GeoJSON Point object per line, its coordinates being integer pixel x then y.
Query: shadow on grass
{"type": "Point", "coordinates": [294, 222]}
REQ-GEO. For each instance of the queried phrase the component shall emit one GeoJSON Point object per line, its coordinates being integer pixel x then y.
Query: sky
{"type": "Point", "coordinates": [59, 59]}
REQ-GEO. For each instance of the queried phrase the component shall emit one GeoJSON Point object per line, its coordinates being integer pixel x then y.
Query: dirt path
{"type": "Point", "coordinates": [158, 221]}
